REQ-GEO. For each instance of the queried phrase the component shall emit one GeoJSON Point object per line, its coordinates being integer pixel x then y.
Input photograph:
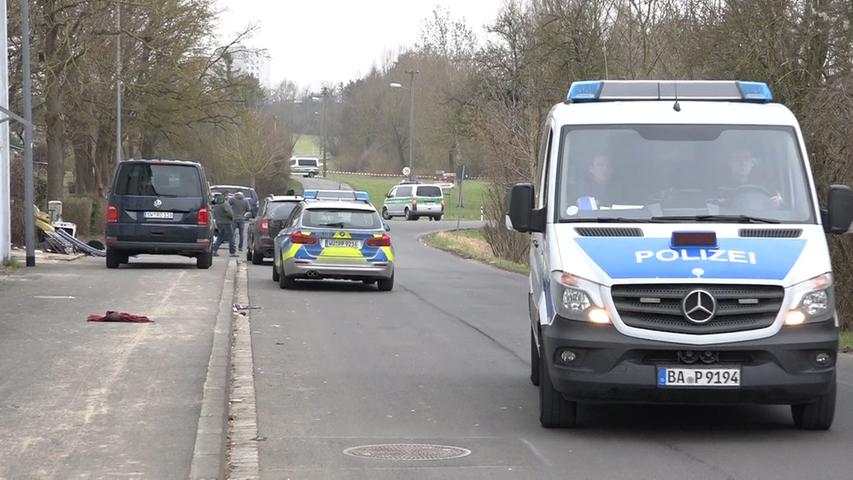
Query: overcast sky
{"type": "Point", "coordinates": [316, 41]}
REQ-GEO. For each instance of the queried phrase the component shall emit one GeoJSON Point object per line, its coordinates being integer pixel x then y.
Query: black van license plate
{"type": "Point", "coordinates": [160, 215]}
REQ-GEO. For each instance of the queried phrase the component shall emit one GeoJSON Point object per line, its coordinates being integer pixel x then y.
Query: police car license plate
{"type": "Point", "coordinates": [342, 243]}
{"type": "Point", "coordinates": [698, 377]}
{"type": "Point", "coordinates": [166, 215]}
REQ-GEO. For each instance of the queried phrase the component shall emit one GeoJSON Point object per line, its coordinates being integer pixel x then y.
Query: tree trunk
{"type": "Point", "coordinates": [84, 163]}
{"type": "Point", "coordinates": [55, 125]}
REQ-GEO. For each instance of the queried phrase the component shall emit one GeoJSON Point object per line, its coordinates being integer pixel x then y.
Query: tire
{"type": "Point", "coordinates": [385, 214]}
{"type": "Point", "coordinates": [554, 410]}
{"type": "Point", "coordinates": [408, 214]}
{"type": "Point", "coordinates": [286, 282]}
{"type": "Point", "coordinates": [274, 273]}
{"type": "Point", "coordinates": [257, 259]}
{"type": "Point", "coordinates": [124, 259]}
{"type": "Point", "coordinates": [534, 360]}
{"type": "Point", "coordinates": [248, 254]}
{"type": "Point", "coordinates": [437, 218]}
{"type": "Point", "coordinates": [311, 174]}
{"type": "Point", "coordinates": [817, 415]}
{"type": "Point", "coordinates": [386, 284]}
{"type": "Point", "coordinates": [204, 261]}
{"type": "Point", "coordinates": [113, 258]}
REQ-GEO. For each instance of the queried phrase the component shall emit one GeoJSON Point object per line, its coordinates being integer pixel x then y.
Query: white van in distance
{"type": "Point", "coordinates": [678, 252]}
{"type": "Point", "coordinates": [305, 166]}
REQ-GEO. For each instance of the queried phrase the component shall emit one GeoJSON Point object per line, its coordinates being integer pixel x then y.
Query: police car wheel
{"type": "Point", "coordinates": [274, 273]}
{"type": "Point", "coordinates": [286, 282]}
{"type": "Point", "coordinates": [385, 214]}
{"type": "Point", "coordinates": [554, 410]}
{"type": "Point", "coordinates": [386, 284]}
{"type": "Point", "coordinates": [534, 360]}
{"type": "Point", "coordinates": [817, 415]}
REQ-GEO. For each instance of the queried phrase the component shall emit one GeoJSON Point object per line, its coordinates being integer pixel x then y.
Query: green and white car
{"type": "Point", "coordinates": [414, 201]}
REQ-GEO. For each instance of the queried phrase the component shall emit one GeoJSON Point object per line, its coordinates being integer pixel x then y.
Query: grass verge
{"type": "Point", "coordinates": [10, 266]}
{"type": "Point", "coordinates": [376, 187]}
{"type": "Point", "coordinates": [470, 244]}
{"type": "Point", "coordinates": [845, 341]}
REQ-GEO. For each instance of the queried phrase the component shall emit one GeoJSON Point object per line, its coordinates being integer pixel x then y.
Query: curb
{"type": "Point", "coordinates": [208, 460]}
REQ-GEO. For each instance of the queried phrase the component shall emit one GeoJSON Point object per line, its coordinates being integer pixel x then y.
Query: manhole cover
{"type": "Point", "coordinates": [407, 451]}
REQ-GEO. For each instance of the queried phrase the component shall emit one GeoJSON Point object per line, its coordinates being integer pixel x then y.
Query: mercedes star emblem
{"type": "Point", "coordinates": [158, 202]}
{"type": "Point", "coordinates": [699, 306]}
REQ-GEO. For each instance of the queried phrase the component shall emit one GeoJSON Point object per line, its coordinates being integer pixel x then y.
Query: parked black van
{"type": "Point", "coordinates": [159, 207]}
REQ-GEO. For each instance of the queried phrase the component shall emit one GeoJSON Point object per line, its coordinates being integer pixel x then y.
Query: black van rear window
{"type": "Point", "coordinates": [158, 180]}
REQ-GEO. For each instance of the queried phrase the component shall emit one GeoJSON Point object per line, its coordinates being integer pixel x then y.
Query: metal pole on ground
{"type": "Point", "coordinates": [28, 135]}
{"type": "Point", "coordinates": [5, 193]}
{"type": "Point", "coordinates": [412, 74]}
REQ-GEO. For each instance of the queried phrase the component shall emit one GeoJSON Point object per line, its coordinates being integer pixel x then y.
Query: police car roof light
{"type": "Point", "coordinates": [700, 90]}
{"type": "Point", "coordinates": [362, 196]}
{"type": "Point", "coordinates": [310, 194]}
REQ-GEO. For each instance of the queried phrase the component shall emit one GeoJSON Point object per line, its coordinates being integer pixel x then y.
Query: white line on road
{"type": "Point", "coordinates": [54, 297]}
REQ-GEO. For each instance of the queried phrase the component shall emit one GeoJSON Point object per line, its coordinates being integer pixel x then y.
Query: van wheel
{"type": "Point", "coordinates": [274, 273]}
{"type": "Point", "coordinates": [817, 415]}
{"type": "Point", "coordinates": [386, 284]}
{"type": "Point", "coordinates": [437, 218]}
{"type": "Point", "coordinates": [385, 214]}
{"type": "Point", "coordinates": [534, 360]}
{"type": "Point", "coordinates": [311, 174]}
{"type": "Point", "coordinates": [248, 254]}
{"type": "Point", "coordinates": [113, 258]}
{"type": "Point", "coordinates": [554, 410]}
{"type": "Point", "coordinates": [409, 215]}
{"type": "Point", "coordinates": [204, 261]}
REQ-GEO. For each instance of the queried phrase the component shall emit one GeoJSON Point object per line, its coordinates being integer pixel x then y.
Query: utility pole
{"type": "Point", "coordinates": [5, 185]}
{"type": "Point", "coordinates": [412, 74]}
{"type": "Point", "coordinates": [118, 84]}
{"type": "Point", "coordinates": [28, 135]}
{"type": "Point", "coordinates": [325, 137]}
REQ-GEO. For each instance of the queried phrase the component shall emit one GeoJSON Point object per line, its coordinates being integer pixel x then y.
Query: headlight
{"type": "Point", "coordinates": [814, 300]}
{"type": "Point", "coordinates": [577, 298]}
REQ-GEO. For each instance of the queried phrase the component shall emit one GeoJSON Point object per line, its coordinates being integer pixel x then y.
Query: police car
{"type": "Point", "coordinates": [678, 252]}
{"type": "Point", "coordinates": [336, 239]}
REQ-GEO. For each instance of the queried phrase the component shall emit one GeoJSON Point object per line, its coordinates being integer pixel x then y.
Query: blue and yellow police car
{"type": "Point", "coordinates": [334, 239]}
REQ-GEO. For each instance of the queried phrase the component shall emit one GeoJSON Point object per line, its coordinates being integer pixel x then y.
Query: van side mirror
{"type": "Point", "coordinates": [840, 209]}
{"type": "Point", "coordinates": [521, 213]}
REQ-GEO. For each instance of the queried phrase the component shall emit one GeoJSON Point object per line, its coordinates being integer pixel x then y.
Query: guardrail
{"type": "Point", "coordinates": [397, 175]}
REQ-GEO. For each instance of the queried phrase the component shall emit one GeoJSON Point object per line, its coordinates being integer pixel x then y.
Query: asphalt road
{"type": "Point", "coordinates": [104, 400]}
{"type": "Point", "coordinates": [443, 359]}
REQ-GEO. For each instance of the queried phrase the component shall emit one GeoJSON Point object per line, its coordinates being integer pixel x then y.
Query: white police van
{"type": "Point", "coordinates": [678, 252]}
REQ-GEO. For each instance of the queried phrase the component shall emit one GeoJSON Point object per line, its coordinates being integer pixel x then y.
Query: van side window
{"type": "Point", "coordinates": [404, 192]}
{"type": "Point", "coordinates": [393, 192]}
{"type": "Point", "coordinates": [544, 164]}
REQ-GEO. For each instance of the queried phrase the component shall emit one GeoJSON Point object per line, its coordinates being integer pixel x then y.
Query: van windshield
{"type": "Point", "coordinates": [151, 179]}
{"type": "Point", "coordinates": [681, 172]}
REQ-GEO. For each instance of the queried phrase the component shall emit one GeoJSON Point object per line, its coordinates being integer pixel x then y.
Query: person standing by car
{"type": "Point", "coordinates": [224, 217]}
{"type": "Point", "coordinates": [240, 206]}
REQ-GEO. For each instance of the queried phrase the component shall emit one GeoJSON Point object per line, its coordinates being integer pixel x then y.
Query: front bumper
{"type": "Point", "coordinates": [612, 367]}
{"type": "Point", "coordinates": [344, 271]}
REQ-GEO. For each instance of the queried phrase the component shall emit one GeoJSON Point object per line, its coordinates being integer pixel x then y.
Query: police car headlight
{"type": "Point", "coordinates": [577, 298]}
{"type": "Point", "coordinates": [814, 300]}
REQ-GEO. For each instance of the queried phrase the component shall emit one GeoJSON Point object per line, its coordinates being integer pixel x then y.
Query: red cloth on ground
{"type": "Point", "coordinates": [112, 316]}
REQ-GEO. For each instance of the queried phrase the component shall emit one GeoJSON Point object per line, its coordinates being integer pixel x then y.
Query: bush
{"type": "Point", "coordinates": [78, 209]}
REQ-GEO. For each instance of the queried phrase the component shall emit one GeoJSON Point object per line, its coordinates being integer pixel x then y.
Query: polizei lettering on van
{"type": "Point", "coordinates": [698, 255]}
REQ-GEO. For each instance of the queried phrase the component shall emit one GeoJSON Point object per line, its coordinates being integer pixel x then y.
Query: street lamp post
{"type": "Point", "coordinates": [411, 74]}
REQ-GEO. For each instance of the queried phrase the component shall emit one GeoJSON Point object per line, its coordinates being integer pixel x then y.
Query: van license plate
{"type": "Point", "coordinates": [342, 243]}
{"type": "Point", "coordinates": [165, 215]}
{"type": "Point", "coordinates": [698, 377]}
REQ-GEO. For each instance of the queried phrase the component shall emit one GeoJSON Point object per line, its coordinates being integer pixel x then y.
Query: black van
{"type": "Point", "coordinates": [159, 207]}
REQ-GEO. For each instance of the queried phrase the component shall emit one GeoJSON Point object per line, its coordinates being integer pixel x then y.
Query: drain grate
{"type": "Point", "coordinates": [407, 451]}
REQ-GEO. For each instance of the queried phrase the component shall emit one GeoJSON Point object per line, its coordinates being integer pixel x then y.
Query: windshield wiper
{"type": "Point", "coordinates": [713, 218]}
{"type": "Point", "coordinates": [603, 220]}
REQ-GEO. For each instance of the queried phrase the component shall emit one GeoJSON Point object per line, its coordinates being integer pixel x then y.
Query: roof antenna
{"type": "Point", "coordinates": [676, 106]}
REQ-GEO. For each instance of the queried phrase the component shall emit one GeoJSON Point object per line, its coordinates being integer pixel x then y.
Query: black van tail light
{"type": "Point", "coordinates": [264, 226]}
{"type": "Point", "coordinates": [383, 241]}
{"type": "Point", "coordinates": [203, 216]}
{"type": "Point", "coordinates": [112, 214]}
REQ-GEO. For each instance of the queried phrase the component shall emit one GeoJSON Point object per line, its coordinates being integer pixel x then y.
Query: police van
{"type": "Point", "coordinates": [678, 252]}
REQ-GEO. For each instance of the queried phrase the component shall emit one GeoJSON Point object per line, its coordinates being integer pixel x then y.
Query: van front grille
{"type": "Point", "coordinates": [660, 307]}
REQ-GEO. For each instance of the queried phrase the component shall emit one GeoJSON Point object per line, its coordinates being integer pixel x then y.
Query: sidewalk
{"type": "Point", "coordinates": [104, 399]}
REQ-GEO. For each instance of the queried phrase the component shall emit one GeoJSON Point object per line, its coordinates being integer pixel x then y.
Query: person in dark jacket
{"type": "Point", "coordinates": [224, 217]}
{"type": "Point", "coordinates": [240, 206]}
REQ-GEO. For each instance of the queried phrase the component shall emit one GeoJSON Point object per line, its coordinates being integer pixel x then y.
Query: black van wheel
{"type": "Point", "coordinates": [534, 360]}
{"type": "Point", "coordinates": [817, 415]}
{"type": "Point", "coordinates": [257, 258]}
{"type": "Point", "coordinates": [554, 410]}
{"type": "Point", "coordinates": [113, 258]}
{"type": "Point", "coordinates": [204, 261]}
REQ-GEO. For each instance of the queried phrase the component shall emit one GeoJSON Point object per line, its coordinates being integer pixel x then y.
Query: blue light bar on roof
{"type": "Point", "coordinates": [310, 194]}
{"type": "Point", "coordinates": [362, 196]}
{"type": "Point", "coordinates": [755, 92]}
{"type": "Point", "coordinates": [587, 91]}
